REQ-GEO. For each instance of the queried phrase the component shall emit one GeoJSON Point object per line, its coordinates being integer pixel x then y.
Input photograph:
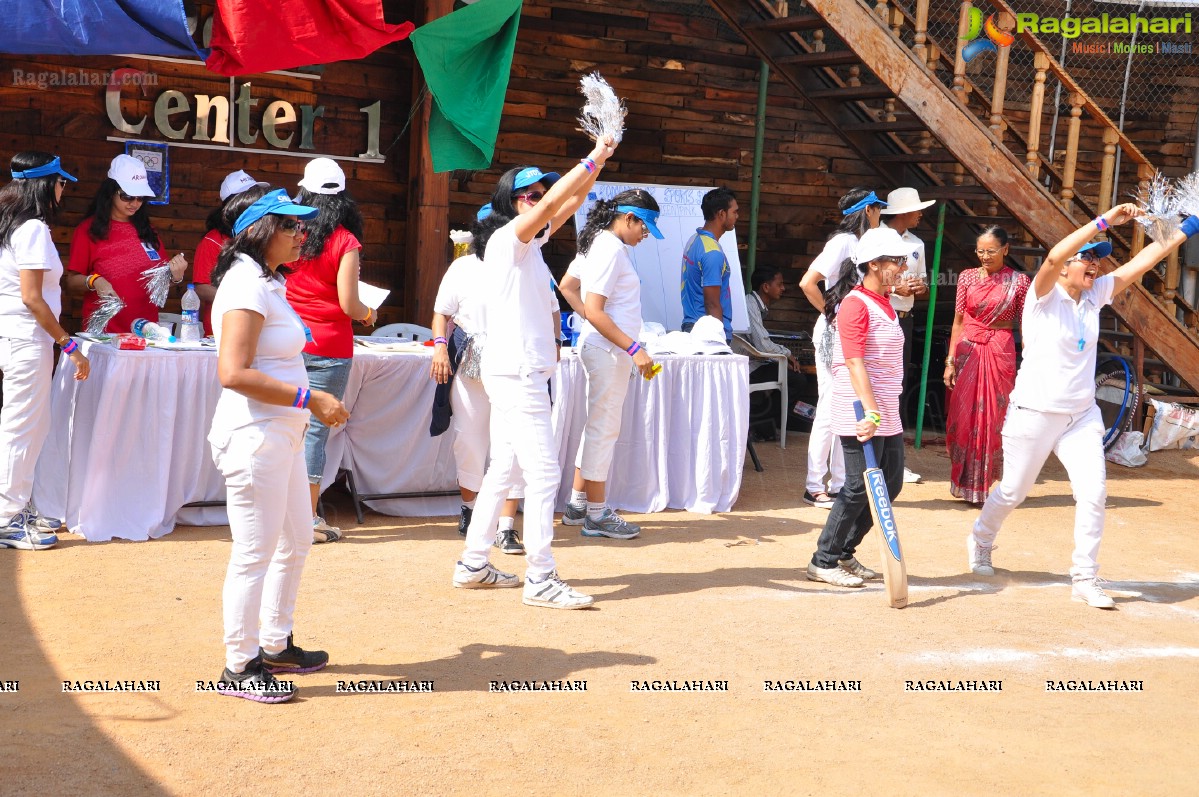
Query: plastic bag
{"type": "Point", "coordinates": [1129, 450]}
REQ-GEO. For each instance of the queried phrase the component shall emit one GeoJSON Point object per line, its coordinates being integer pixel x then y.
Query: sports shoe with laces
{"type": "Point", "coordinates": [820, 500]}
{"type": "Point", "coordinates": [554, 593]}
{"type": "Point", "coordinates": [1088, 591]}
{"type": "Point", "coordinates": [19, 534]}
{"type": "Point", "coordinates": [980, 557]}
{"type": "Point", "coordinates": [293, 659]}
{"type": "Point", "coordinates": [611, 525]}
{"type": "Point", "coordinates": [40, 522]}
{"type": "Point", "coordinates": [255, 683]}
{"type": "Point", "coordinates": [507, 541]}
{"type": "Point", "coordinates": [485, 577]}
{"type": "Point", "coordinates": [464, 520]}
{"type": "Point", "coordinates": [911, 477]}
{"type": "Point", "coordinates": [856, 568]}
{"type": "Point", "coordinates": [833, 575]}
{"type": "Point", "coordinates": [574, 515]}
{"type": "Point", "coordinates": [330, 533]}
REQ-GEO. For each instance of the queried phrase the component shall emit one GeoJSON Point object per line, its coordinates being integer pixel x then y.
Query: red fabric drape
{"type": "Point", "coordinates": [250, 36]}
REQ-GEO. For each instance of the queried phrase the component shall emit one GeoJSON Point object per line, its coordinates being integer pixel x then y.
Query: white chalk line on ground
{"type": "Point", "coordinates": [1011, 656]}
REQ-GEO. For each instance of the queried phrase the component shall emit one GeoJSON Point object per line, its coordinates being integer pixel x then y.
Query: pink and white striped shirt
{"type": "Point", "coordinates": [883, 356]}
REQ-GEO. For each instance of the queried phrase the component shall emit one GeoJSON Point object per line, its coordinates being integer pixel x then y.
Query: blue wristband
{"type": "Point", "coordinates": [1190, 225]}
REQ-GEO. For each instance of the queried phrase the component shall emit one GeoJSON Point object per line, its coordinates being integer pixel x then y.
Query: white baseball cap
{"type": "Point", "coordinates": [323, 176]}
{"type": "Point", "coordinates": [905, 200]}
{"type": "Point", "coordinates": [880, 242]}
{"type": "Point", "coordinates": [130, 174]}
{"type": "Point", "coordinates": [236, 182]}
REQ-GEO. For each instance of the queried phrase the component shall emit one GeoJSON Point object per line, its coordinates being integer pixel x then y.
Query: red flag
{"type": "Point", "coordinates": [250, 36]}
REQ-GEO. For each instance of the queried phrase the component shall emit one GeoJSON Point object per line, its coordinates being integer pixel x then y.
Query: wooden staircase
{"type": "Point", "coordinates": [914, 116]}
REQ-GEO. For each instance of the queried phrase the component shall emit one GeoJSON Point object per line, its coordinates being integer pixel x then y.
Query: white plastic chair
{"type": "Point", "coordinates": [780, 384]}
{"type": "Point", "coordinates": [413, 332]}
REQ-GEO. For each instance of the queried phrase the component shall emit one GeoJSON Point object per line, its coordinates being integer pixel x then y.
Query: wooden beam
{"type": "Point", "coordinates": [787, 24]}
{"type": "Point", "coordinates": [428, 235]}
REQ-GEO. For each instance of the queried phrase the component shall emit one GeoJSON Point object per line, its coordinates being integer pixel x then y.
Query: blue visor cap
{"type": "Point", "coordinates": [865, 202]}
{"type": "Point", "coordinates": [527, 176]}
{"type": "Point", "coordinates": [53, 167]}
{"type": "Point", "coordinates": [650, 217]}
{"type": "Point", "coordinates": [276, 202]}
{"type": "Point", "coordinates": [484, 212]}
{"type": "Point", "coordinates": [1099, 249]}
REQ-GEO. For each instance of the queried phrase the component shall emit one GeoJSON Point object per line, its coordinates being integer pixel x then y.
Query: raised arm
{"type": "Point", "coordinates": [1151, 255]}
{"type": "Point", "coordinates": [564, 197]}
{"type": "Point", "coordinates": [1068, 247]}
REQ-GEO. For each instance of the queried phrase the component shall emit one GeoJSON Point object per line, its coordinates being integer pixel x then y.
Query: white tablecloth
{"type": "Point", "coordinates": [127, 448]}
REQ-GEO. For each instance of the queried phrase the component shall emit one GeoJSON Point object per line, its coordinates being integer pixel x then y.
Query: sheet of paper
{"type": "Point", "coordinates": [371, 296]}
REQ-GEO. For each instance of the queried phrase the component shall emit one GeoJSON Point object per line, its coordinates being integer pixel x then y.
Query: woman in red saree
{"type": "Point", "coordinates": [981, 369]}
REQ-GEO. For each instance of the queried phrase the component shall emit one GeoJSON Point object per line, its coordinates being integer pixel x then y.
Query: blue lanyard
{"type": "Point", "coordinates": [1080, 320]}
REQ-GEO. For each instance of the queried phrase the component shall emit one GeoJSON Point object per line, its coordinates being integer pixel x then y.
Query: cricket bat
{"type": "Point", "coordinates": [895, 574]}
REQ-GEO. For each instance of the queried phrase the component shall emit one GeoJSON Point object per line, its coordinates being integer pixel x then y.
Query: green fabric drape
{"type": "Point", "coordinates": [466, 58]}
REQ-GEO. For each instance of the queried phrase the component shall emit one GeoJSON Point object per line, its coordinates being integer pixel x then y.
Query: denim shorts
{"type": "Point", "coordinates": [329, 374]}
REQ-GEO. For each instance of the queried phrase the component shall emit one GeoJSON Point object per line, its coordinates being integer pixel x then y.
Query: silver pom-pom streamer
{"type": "Point", "coordinates": [110, 304]}
{"type": "Point", "coordinates": [603, 113]}
{"type": "Point", "coordinates": [157, 280]}
{"type": "Point", "coordinates": [1160, 201]}
{"type": "Point", "coordinates": [1186, 195]}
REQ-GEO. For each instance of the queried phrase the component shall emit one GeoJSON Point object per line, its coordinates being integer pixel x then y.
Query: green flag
{"type": "Point", "coordinates": [466, 58]}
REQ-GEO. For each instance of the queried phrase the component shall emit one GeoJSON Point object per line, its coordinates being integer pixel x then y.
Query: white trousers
{"type": "Point", "coordinates": [471, 422]}
{"type": "Point", "coordinates": [522, 443]}
{"type": "Point", "coordinates": [270, 517]}
{"type": "Point", "coordinates": [608, 375]}
{"type": "Point", "coordinates": [25, 419]}
{"type": "Point", "coordinates": [824, 447]}
{"type": "Point", "coordinates": [1028, 437]}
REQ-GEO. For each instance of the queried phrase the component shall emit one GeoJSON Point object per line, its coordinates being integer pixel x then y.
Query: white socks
{"type": "Point", "coordinates": [596, 511]}
{"type": "Point", "coordinates": [578, 499]}
{"type": "Point", "coordinates": [507, 523]}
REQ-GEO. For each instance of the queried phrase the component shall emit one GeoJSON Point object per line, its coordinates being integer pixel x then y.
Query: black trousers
{"type": "Point", "coordinates": [850, 518]}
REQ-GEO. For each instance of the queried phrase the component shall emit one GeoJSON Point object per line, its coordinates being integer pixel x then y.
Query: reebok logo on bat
{"type": "Point", "coordinates": [878, 494]}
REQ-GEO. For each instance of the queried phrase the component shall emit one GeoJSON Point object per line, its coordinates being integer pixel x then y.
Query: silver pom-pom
{"type": "Point", "coordinates": [603, 113]}
{"type": "Point", "coordinates": [109, 305]}
{"type": "Point", "coordinates": [157, 280]}
{"type": "Point", "coordinates": [1160, 201]}
{"type": "Point", "coordinates": [1186, 195]}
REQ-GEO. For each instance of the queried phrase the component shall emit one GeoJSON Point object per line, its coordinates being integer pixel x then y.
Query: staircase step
{"type": "Point", "coordinates": [886, 127]}
{"type": "Point", "coordinates": [863, 92]}
{"type": "Point", "coordinates": [789, 24]}
{"type": "Point", "coordinates": [827, 58]}
{"type": "Point", "coordinates": [915, 157]}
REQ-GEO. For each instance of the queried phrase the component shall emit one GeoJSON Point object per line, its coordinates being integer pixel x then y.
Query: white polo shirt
{"type": "Point", "coordinates": [915, 269]}
{"type": "Point", "coordinates": [608, 270]}
{"type": "Point", "coordinates": [30, 248]}
{"type": "Point", "coordinates": [518, 306]}
{"type": "Point", "coordinates": [279, 344]}
{"type": "Point", "coordinates": [1057, 374]}
{"type": "Point", "coordinates": [836, 251]}
{"type": "Point", "coordinates": [459, 295]}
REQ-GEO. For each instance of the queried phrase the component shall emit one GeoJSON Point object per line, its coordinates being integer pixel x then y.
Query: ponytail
{"type": "Point", "coordinates": [850, 276]}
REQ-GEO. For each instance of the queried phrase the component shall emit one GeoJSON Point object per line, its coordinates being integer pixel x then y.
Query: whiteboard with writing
{"type": "Point", "coordinates": [659, 263]}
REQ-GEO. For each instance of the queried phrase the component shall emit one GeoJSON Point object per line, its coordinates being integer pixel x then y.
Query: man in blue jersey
{"type": "Point", "coordinates": [706, 270]}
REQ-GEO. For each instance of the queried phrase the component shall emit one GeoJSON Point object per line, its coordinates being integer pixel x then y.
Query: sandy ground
{"type": "Point", "coordinates": [719, 598]}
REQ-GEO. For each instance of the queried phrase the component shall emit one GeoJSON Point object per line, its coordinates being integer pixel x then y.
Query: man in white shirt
{"type": "Point", "coordinates": [902, 213]}
{"type": "Point", "coordinates": [768, 287]}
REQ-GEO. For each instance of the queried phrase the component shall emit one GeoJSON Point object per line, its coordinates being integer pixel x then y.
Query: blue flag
{"type": "Point", "coordinates": [97, 27]}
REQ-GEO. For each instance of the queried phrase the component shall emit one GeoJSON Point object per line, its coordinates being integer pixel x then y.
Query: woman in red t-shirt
{"type": "Point", "coordinates": [217, 230]}
{"type": "Point", "coordinates": [116, 243]}
{"type": "Point", "coordinates": [323, 290]}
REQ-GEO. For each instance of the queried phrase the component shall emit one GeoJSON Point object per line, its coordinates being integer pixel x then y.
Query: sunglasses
{"type": "Point", "coordinates": [532, 197]}
{"type": "Point", "coordinates": [1085, 256]}
{"type": "Point", "coordinates": [893, 259]}
{"type": "Point", "coordinates": [126, 198]}
{"type": "Point", "coordinates": [986, 252]}
{"type": "Point", "coordinates": [63, 183]}
{"type": "Point", "coordinates": [293, 226]}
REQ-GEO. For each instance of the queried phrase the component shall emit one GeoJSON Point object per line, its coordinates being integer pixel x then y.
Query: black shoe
{"type": "Point", "coordinates": [508, 542]}
{"type": "Point", "coordinates": [293, 660]}
{"type": "Point", "coordinates": [464, 520]}
{"type": "Point", "coordinates": [255, 683]}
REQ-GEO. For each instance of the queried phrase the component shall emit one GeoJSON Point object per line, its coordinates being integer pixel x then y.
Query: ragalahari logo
{"type": "Point", "coordinates": [995, 28]}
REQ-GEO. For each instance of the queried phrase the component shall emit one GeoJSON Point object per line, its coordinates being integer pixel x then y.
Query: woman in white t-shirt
{"type": "Point", "coordinates": [1052, 407]}
{"type": "Point", "coordinates": [257, 443]}
{"type": "Point", "coordinates": [609, 349]}
{"type": "Point", "coordinates": [520, 353]}
{"type": "Point", "coordinates": [30, 302]}
{"type": "Point", "coordinates": [860, 211]}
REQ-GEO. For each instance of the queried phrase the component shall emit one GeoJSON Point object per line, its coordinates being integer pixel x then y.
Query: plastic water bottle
{"type": "Point", "coordinates": [575, 324]}
{"type": "Point", "coordinates": [191, 329]}
{"type": "Point", "coordinates": [149, 330]}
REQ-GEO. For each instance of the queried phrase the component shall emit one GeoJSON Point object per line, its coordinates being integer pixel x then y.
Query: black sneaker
{"type": "Point", "coordinates": [255, 683]}
{"type": "Point", "coordinates": [508, 542]}
{"type": "Point", "coordinates": [293, 659]}
{"type": "Point", "coordinates": [464, 520]}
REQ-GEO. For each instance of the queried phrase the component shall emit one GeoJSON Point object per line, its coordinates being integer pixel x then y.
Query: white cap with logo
{"type": "Point", "coordinates": [323, 176]}
{"type": "Point", "coordinates": [236, 182]}
{"type": "Point", "coordinates": [130, 175]}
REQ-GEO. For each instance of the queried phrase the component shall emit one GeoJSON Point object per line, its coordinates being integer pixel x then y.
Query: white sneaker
{"type": "Point", "coordinates": [979, 557]}
{"type": "Point", "coordinates": [330, 533]}
{"type": "Point", "coordinates": [1088, 591]}
{"type": "Point", "coordinates": [485, 577]}
{"type": "Point", "coordinates": [554, 593]}
{"type": "Point", "coordinates": [856, 568]}
{"type": "Point", "coordinates": [833, 575]}
{"type": "Point", "coordinates": [911, 478]}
